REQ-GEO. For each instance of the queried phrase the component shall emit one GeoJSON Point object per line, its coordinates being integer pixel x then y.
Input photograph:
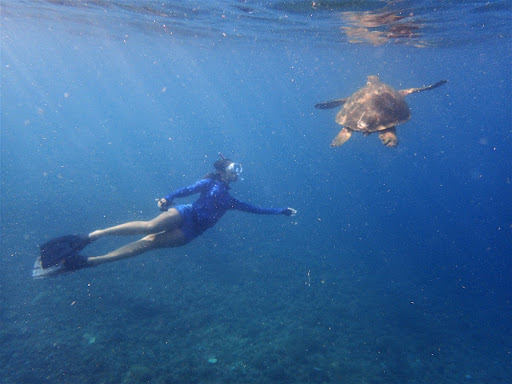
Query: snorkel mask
{"type": "Point", "coordinates": [234, 168]}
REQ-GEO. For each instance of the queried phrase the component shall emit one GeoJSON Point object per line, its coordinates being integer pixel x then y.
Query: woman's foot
{"type": "Point", "coordinates": [74, 262]}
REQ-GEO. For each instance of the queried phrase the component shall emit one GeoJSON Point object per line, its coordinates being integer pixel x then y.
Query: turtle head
{"type": "Point", "coordinates": [372, 79]}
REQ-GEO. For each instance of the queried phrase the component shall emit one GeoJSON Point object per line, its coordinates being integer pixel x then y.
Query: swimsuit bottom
{"type": "Point", "coordinates": [189, 226]}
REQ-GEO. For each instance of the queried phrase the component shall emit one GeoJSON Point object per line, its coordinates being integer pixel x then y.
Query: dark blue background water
{"type": "Point", "coordinates": [396, 269]}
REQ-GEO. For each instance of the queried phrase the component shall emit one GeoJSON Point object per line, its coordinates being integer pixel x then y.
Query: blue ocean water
{"type": "Point", "coordinates": [397, 268]}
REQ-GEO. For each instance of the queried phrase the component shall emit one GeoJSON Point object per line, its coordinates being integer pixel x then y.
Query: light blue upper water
{"type": "Point", "coordinates": [396, 269]}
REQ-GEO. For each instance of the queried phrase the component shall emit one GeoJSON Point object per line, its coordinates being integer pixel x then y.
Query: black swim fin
{"type": "Point", "coordinates": [57, 250]}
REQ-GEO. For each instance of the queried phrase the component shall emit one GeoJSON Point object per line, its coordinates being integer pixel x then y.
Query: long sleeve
{"type": "Point", "coordinates": [246, 207]}
{"type": "Point", "coordinates": [187, 191]}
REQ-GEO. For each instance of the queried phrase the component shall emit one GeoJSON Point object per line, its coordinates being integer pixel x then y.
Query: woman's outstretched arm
{"type": "Point", "coordinates": [246, 207]}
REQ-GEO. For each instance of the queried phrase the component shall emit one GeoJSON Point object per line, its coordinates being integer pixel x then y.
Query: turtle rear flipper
{"type": "Point", "coordinates": [405, 92]}
{"type": "Point", "coordinates": [331, 104]}
{"type": "Point", "coordinates": [342, 137]}
{"type": "Point", "coordinates": [388, 137]}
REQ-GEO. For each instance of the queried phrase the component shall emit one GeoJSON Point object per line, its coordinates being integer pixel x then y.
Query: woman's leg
{"type": "Point", "coordinates": [173, 238]}
{"type": "Point", "coordinates": [167, 221]}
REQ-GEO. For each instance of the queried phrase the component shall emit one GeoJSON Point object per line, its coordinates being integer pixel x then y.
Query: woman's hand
{"type": "Point", "coordinates": [163, 204]}
{"type": "Point", "coordinates": [290, 212]}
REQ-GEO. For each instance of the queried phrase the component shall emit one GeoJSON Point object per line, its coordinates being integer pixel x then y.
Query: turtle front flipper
{"type": "Point", "coordinates": [405, 92]}
{"type": "Point", "coordinates": [388, 137]}
{"type": "Point", "coordinates": [342, 137]}
{"type": "Point", "coordinates": [331, 104]}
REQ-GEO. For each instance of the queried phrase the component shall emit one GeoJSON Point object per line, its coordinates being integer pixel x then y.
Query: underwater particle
{"type": "Point", "coordinates": [468, 376]}
{"type": "Point", "coordinates": [138, 374]}
{"type": "Point", "coordinates": [89, 338]}
{"type": "Point", "coordinates": [212, 360]}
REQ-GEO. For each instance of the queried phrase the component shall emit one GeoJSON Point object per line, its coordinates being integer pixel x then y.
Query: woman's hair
{"type": "Point", "coordinates": [220, 165]}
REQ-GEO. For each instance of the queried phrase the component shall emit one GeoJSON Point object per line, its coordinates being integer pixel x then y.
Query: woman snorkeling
{"type": "Point", "coordinates": [175, 227]}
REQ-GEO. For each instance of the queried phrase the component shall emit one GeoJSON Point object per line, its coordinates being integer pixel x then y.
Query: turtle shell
{"type": "Point", "coordinates": [375, 107]}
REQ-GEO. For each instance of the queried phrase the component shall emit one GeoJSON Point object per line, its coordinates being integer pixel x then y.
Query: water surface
{"type": "Point", "coordinates": [397, 267]}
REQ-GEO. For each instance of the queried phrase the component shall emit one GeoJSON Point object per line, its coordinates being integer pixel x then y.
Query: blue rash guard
{"type": "Point", "coordinates": [214, 201]}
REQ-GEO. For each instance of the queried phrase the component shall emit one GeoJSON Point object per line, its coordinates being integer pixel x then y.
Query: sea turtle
{"type": "Point", "coordinates": [376, 107]}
